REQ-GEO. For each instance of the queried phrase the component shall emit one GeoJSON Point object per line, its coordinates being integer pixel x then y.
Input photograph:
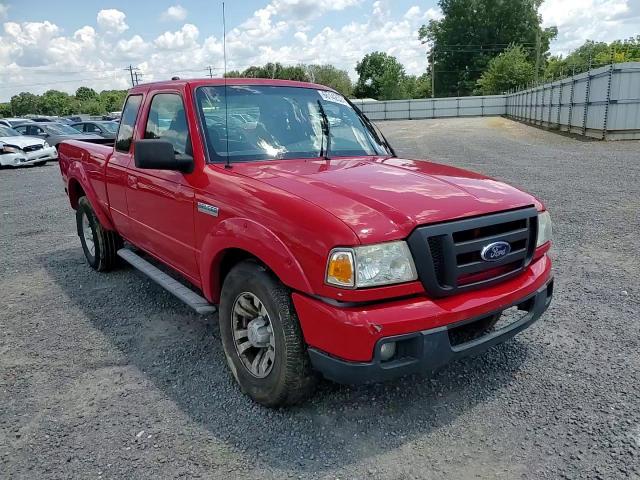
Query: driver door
{"type": "Point", "coordinates": [161, 202]}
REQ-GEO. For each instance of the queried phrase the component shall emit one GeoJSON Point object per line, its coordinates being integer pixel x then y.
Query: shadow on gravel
{"type": "Point", "coordinates": [181, 353]}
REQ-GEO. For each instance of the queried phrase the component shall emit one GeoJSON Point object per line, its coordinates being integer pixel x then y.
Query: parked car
{"type": "Point", "coordinates": [43, 119]}
{"type": "Point", "coordinates": [102, 128]}
{"type": "Point", "coordinates": [53, 132]}
{"type": "Point", "coordinates": [73, 119]}
{"type": "Point", "coordinates": [16, 150]}
{"type": "Point", "coordinates": [323, 250]}
{"type": "Point", "coordinates": [12, 122]}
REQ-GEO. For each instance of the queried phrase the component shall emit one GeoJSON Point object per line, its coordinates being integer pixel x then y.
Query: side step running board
{"type": "Point", "coordinates": [188, 296]}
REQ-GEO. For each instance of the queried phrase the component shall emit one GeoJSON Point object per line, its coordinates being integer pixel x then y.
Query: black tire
{"type": "Point", "coordinates": [291, 378]}
{"type": "Point", "coordinates": [103, 256]}
{"type": "Point", "coordinates": [40, 164]}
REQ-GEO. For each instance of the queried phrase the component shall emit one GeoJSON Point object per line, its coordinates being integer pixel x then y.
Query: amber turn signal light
{"type": "Point", "coordinates": [340, 271]}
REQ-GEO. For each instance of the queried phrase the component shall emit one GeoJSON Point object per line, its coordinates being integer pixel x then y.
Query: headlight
{"type": "Point", "coordinates": [544, 228]}
{"type": "Point", "coordinates": [11, 149]}
{"type": "Point", "coordinates": [371, 265]}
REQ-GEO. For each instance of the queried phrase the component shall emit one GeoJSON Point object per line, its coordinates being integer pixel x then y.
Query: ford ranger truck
{"type": "Point", "coordinates": [281, 205]}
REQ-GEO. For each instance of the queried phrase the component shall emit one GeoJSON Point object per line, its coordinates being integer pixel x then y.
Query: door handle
{"type": "Point", "coordinates": [132, 182]}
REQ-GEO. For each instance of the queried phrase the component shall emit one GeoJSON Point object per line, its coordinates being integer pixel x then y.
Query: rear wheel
{"type": "Point", "coordinates": [100, 246]}
{"type": "Point", "coordinates": [262, 339]}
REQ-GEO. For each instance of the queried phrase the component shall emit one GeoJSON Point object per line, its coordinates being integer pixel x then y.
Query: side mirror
{"type": "Point", "coordinates": [158, 154]}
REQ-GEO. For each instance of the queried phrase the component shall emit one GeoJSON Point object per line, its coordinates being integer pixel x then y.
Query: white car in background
{"type": "Point", "coordinates": [18, 150]}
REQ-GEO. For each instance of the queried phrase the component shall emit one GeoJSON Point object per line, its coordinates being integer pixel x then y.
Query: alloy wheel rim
{"type": "Point", "coordinates": [87, 234]}
{"type": "Point", "coordinates": [253, 336]}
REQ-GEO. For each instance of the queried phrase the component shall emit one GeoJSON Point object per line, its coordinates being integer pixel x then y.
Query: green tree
{"type": "Point", "coordinates": [330, 76]}
{"type": "Point", "coordinates": [276, 70]}
{"type": "Point", "coordinates": [25, 103]}
{"type": "Point", "coordinates": [54, 102]}
{"type": "Point", "coordinates": [380, 76]}
{"type": "Point", "coordinates": [592, 55]}
{"type": "Point", "coordinates": [86, 93]}
{"type": "Point", "coordinates": [472, 32]}
{"type": "Point", "coordinates": [417, 87]}
{"type": "Point", "coordinates": [112, 100]}
{"type": "Point", "coordinates": [508, 70]}
{"type": "Point", "coordinates": [5, 110]}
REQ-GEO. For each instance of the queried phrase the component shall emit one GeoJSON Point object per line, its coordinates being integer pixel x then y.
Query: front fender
{"type": "Point", "coordinates": [257, 240]}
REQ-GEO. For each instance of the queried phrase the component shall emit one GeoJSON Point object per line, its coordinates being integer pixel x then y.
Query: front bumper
{"type": "Point", "coordinates": [429, 350]}
{"type": "Point", "coordinates": [28, 158]}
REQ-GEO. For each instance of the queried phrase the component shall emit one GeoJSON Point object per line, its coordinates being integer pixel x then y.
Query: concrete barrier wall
{"type": "Point", "coordinates": [601, 103]}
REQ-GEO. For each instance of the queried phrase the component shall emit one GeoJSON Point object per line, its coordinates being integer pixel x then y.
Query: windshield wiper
{"type": "Point", "coordinates": [375, 131]}
{"type": "Point", "coordinates": [325, 132]}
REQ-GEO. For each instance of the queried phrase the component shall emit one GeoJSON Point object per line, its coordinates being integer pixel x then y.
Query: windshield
{"type": "Point", "coordinates": [59, 129]}
{"type": "Point", "coordinates": [111, 127]}
{"type": "Point", "coordinates": [268, 122]}
{"type": "Point", "coordinates": [8, 132]}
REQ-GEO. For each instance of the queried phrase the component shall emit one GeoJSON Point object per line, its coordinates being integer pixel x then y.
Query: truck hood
{"type": "Point", "coordinates": [21, 141]}
{"type": "Point", "coordinates": [383, 198]}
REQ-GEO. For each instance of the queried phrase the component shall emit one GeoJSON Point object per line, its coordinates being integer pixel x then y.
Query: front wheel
{"type": "Point", "coordinates": [262, 339]}
{"type": "Point", "coordinates": [100, 246]}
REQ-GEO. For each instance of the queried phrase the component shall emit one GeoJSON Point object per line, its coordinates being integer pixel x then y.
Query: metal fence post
{"type": "Point", "coordinates": [385, 109]}
{"type": "Point", "coordinates": [409, 109]}
{"type": "Point", "coordinates": [570, 120]}
{"type": "Point", "coordinates": [482, 105]}
{"type": "Point", "coordinates": [608, 104]}
{"type": "Point", "coordinates": [560, 104]}
{"type": "Point", "coordinates": [457, 106]}
{"type": "Point", "coordinates": [585, 110]}
{"type": "Point", "coordinates": [551, 90]}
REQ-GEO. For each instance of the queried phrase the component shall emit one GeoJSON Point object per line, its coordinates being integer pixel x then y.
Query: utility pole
{"type": "Point", "coordinates": [136, 75]}
{"type": "Point", "coordinates": [537, 54]}
{"type": "Point", "coordinates": [131, 69]}
{"type": "Point", "coordinates": [433, 73]}
{"type": "Point", "coordinates": [210, 68]}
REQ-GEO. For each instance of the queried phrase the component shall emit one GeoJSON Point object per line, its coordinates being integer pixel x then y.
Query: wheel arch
{"type": "Point", "coordinates": [77, 187]}
{"type": "Point", "coordinates": [236, 240]}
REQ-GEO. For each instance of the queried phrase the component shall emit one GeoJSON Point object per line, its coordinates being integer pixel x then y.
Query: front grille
{"type": "Point", "coordinates": [32, 148]}
{"type": "Point", "coordinates": [448, 255]}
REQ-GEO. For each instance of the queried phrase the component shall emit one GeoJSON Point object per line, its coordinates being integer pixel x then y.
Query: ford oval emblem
{"type": "Point", "coordinates": [495, 251]}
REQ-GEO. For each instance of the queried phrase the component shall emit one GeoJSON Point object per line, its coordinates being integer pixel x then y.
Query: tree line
{"type": "Point", "coordinates": [54, 102]}
{"type": "Point", "coordinates": [478, 47]}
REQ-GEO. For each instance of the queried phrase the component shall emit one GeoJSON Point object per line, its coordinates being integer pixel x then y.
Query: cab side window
{"type": "Point", "coordinates": [167, 121]}
{"type": "Point", "coordinates": [129, 116]}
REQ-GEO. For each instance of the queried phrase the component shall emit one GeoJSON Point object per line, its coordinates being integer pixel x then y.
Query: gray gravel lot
{"type": "Point", "coordinates": [107, 376]}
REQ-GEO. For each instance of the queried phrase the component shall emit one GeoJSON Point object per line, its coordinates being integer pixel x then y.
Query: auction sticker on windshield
{"type": "Point", "coordinates": [332, 97]}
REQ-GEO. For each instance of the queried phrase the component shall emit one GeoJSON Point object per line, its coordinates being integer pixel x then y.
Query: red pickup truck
{"type": "Point", "coordinates": [282, 205]}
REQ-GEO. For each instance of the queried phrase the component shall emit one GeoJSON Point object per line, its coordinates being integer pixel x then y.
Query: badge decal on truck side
{"type": "Point", "coordinates": [208, 209]}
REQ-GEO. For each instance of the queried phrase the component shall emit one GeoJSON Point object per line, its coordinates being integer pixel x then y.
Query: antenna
{"type": "Point", "coordinates": [226, 103]}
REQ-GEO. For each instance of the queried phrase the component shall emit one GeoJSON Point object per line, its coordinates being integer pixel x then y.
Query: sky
{"type": "Point", "coordinates": [64, 44]}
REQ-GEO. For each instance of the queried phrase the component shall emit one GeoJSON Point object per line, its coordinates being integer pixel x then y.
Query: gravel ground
{"type": "Point", "coordinates": [107, 376]}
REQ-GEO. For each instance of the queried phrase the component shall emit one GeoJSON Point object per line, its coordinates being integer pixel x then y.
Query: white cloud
{"type": "Point", "coordinates": [37, 56]}
{"type": "Point", "coordinates": [184, 38]}
{"type": "Point", "coordinates": [580, 20]}
{"type": "Point", "coordinates": [112, 21]}
{"type": "Point", "coordinates": [4, 10]}
{"type": "Point", "coordinates": [175, 12]}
